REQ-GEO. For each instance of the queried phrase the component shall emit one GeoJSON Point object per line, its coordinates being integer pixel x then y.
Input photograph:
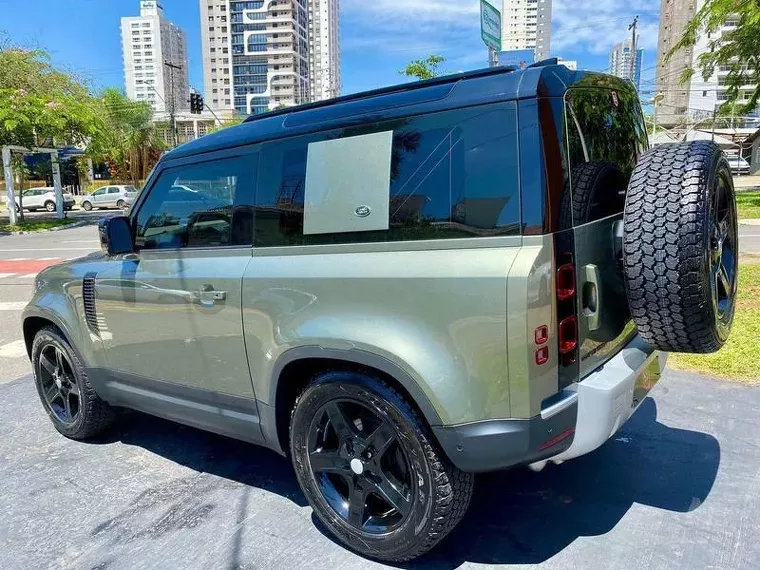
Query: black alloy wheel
{"type": "Point", "coordinates": [359, 466]}
{"type": "Point", "coordinates": [74, 408]}
{"type": "Point", "coordinates": [371, 469]}
{"type": "Point", "coordinates": [723, 249]}
{"type": "Point", "coordinates": [60, 391]}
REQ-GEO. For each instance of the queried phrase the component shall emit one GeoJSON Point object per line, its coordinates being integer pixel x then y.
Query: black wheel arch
{"type": "Point", "coordinates": [35, 321]}
{"type": "Point", "coordinates": [297, 366]}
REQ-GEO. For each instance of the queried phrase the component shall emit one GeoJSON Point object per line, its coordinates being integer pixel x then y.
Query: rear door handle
{"type": "Point", "coordinates": [591, 297]}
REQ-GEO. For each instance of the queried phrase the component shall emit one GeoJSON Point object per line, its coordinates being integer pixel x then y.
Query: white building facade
{"type": "Point", "coordinates": [324, 49]}
{"type": "Point", "coordinates": [700, 97]}
{"type": "Point", "coordinates": [255, 54]}
{"type": "Point", "coordinates": [154, 53]}
{"type": "Point", "coordinates": [624, 64]}
{"type": "Point", "coordinates": [527, 24]}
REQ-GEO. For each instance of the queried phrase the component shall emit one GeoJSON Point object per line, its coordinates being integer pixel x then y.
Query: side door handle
{"type": "Point", "coordinates": [208, 296]}
{"type": "Point", "coordinates": [591, 296]}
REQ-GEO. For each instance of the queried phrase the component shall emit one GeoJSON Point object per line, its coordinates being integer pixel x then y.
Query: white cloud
{"type": "Point", "coordinates": [594, 26]}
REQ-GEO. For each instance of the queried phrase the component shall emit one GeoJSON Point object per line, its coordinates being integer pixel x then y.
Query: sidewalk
{"type": "Point", "coordinates": [747, 182]}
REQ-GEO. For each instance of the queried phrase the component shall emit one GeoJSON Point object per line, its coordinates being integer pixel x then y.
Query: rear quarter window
{"type": "Point", "coordinates": [452, 174]}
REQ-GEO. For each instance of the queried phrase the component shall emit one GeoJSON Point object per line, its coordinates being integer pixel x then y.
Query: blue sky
{"type": "Point", "coordinates": [378, 37]}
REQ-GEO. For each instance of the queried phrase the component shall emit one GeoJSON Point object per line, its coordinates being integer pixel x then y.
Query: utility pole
{"type": "Point", "coordinates": [493, 57]}
{"type": "Point", "coordinates": [632, 27]}
{"type": "Point", "coordinates": [172, 102]}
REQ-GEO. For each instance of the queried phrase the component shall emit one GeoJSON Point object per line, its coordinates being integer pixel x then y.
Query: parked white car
{"type": "Point", "coordinates": [738, 165]}
{"type": "Point", "coordinates": [110, 197]}
{"type": "Point", "coordinates": [43, 198]}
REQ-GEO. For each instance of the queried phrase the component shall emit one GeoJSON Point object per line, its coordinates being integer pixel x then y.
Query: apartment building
{"type": "Point", "coordinates": [698, 98]}
{"type": "Point", "coordinates": [527, 24]}
{"type": "Point", "coordinates": [154, 52]}
{"type": "Point", "coordinates": [324, 49]}
{"type": "Point", "coordinates": [255, 54]}
{"type": "Point", "coordinates": [623, 62]}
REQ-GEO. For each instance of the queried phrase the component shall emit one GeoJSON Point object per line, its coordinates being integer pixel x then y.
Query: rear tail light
{"type": "Point", "coordinates": [566, 282]}
{"type": "Point", "coordinates": [566, 292]}
{"type": "Point", "coordinates": [568, 335]}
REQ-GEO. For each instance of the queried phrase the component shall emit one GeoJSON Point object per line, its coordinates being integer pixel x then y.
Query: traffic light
{"type": "Point", "coordinates": [196, 103]}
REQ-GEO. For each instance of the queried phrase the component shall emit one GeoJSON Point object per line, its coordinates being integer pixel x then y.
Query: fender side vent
{"type": "Point", "coordinates": [88, 296]}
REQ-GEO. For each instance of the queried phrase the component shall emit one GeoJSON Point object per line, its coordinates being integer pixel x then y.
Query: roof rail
{"type": "Point", "coordinates": [385, 91]}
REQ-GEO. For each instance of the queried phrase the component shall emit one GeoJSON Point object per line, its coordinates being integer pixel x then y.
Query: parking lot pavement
{"type": "Point", "coordinates": [677, 488]}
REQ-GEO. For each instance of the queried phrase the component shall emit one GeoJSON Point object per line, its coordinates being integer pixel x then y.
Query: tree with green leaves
{"type": "Point", "coordinates": [424, 68]}
{"type": "Point", "coordinates": [39, 105]}
{"type": "Point", "coordinates": [128, 140]}
{"type": "Point", "coordinates": [737, 50]}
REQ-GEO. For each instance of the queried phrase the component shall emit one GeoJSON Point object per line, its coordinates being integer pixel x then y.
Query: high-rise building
{"type": "Point", "coordinates": [324, 49]}
{"type": "Point", "coordinates": [624, 64]}
{"type": "Point", "coordinates": [155, 59]}
{"type": "Point", "coordinates": [255, 54]}
{"type": "Point", "coordinates": [699, 97]}
{"type": "Point", "coordinates": [527, 24]}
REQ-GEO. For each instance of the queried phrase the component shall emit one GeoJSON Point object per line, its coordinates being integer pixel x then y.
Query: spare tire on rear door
{"type": "Point", "coordinates": [680, 249]}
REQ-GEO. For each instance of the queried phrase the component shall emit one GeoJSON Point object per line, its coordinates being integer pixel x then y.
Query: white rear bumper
{"type": "Point", "coordinates": [606, 396]}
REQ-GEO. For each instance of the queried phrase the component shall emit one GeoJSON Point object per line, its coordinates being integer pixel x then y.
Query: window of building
{"type": "Point", "coordinates": [195, 206]}
{"type": "Point", "coordinates": [146, 25]}
{"type": "Point", "coordinates": [135, 25]}
{"type": "Point", "coordinates": [453, 174]}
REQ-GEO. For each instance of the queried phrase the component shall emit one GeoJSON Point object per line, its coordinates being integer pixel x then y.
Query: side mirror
{"type": "Point", "coordinates": [116, 235]}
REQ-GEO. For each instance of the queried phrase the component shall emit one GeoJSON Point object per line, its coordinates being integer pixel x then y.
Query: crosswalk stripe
{"type": "Point", "coordinates": [12, 305]}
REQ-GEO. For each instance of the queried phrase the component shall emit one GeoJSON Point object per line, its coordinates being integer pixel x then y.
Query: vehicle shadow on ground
{"type": "Point", "coordinates": [206, 452]}
{"type": "Point", "coordinates": [521, 517]}
{"type": "Point", "coordinates": [516, 517]}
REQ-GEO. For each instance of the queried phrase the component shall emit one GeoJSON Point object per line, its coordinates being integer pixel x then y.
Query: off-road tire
{"type": "Point", "coordinates": [436, 512]}
{"type": "Point", "coordinates": [95, 416]}
{"type": "Point", "coordinates": [667, 243]}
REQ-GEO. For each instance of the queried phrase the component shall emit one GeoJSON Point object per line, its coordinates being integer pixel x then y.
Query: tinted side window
{"type": "Point", "coordinates": [199, 205]}
{"type": "Point", "coordinates": [603, 127]}
{"type": "Point", "coordinates": [113, 190]}
{"type": "Point", "coordinates": [453, 174]}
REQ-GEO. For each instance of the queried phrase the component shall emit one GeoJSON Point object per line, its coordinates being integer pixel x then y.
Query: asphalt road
{"type": "Point", "coordinates": [677, 488]}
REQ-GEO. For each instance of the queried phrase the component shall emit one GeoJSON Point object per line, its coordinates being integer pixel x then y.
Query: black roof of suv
{"type": "Point", "coordinates": [449, 92]}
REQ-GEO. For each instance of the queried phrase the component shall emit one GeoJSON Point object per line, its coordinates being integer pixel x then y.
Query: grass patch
{"type": "Point", "coordinates": [739, 359]}
{"type": "Point", "coordinates": [748, 205]}
{"type": "Point", "coordinates": [35, 225]}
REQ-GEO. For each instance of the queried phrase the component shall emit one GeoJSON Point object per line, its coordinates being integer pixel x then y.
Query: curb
{"type": "Point", "coordinates": [79, 224]}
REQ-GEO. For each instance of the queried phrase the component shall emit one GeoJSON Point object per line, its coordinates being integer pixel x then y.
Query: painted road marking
{"type": "Point", "coordinates": [6, 275]}
{"type": "Point", "coordinates": [26, 266]}
{"type": "Point", "coordinates": [12, 305]}
{"type": "Point", "coordinates": [15, 349]}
